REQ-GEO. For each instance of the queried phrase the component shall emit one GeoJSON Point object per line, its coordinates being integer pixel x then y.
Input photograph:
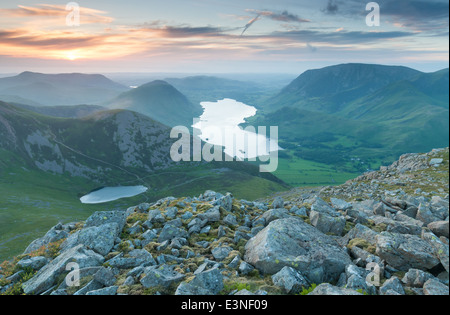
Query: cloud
{"type": "Point", "coordinates": [332, 7]}
{"type": "Point", "coordinates": [88, 15]}
{"type": "Point", "coordinates": [283, 16]}
{"type": "Point", "coordinates": [250, 23]}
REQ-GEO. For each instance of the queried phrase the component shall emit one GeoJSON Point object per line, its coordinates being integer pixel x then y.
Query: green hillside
{"type": "Point", "coordinates": [159, 101]}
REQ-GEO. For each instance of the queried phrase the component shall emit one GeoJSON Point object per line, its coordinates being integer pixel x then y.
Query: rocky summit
{"type": "Point", "coordinates": [384, 233]}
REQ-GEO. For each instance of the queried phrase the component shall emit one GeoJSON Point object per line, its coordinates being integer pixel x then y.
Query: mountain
{"type": "Point", "coordinates": [355, 117]}
{"type": "Point", "coordinates": [160, 101]}
{"type": "Point", "coordinates": [330, 89]}
{"type": "Point", "coordinates": [60, 89]}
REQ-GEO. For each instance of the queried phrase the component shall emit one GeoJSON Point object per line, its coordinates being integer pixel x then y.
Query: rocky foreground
{"type": "Point", "coordinates": [385, 233]}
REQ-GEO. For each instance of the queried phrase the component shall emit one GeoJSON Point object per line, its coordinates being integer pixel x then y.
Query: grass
{"type": "Point", "coordinates": [299, 172]}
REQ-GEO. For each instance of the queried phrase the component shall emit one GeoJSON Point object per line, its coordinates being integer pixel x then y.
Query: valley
{"type": "Point", "coordinates": [51, 156]}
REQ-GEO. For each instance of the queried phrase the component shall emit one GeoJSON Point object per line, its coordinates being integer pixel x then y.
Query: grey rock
{"type": "Point", "coordinates": [441, 250]}
{"type": "Point", "coordinates": [321, 206]}
{"type": "Point", "coordinates": [230, 220]}
{"type": "Point", "coordinates": [361, 232]}
{"type": "Point", "coordinates": [327, 224]}
{"type": "Point", "coordinates": [212, 215]}
{"type": "Point", "coordinates": [294, 243]}
{"type": "Point", "coordinates": [425, 215]}
{"type": "Point", "coordinates": [328, 289]}
{"type": "Point", "coordinates": [415, 278]}
{"type": "Point", "coordinates": [46, 277]}
{"type": "Point", "coordinates": [393, 284]}
{"type": "Point", "coordinates": [169, 232]}
{"type": "Point", "coordinates": [52, 236]}
{"type": "Point", "coordinates": [100, 239]}
{"type": "Point", "coordinates": [290, 280]}
{"type": "Point", "coordinates": [105, 277]}
{"type": "Point", "coordinates": [155, 216]}
{"type": "Point", "coordinates": [206, 283]}
{"type": "Point", "coordinates": [107, 217]}
{"type": "Point", "coordinates": [356, 282]}
{"type": "Point", "coordinates": [129, 281]}
{"type": "Point", "coordinates": [440, 228]}
{"type": "Point", "coordinates": [171, 212]}
{"type": "Point", "coordinates": [341, 205]}
{"type": "Point", "coordinates": [35, 263]}
{"type": "Point", "coordinates": [245, 268]}
{"type": "Point", "coordinates": [406, 252]}
{"type": "Point", "coordinates": [91, 286]}
{"type": "Point", "coordinates": [104, 291]}
{"type": "Point", "coordinates": [220, 253]}
{"type": "Point", "coordinates": [278, 203]}
{"type": "Point", "coordinates": [275, 214]}
{"type": "Point", "coordinates": [435, 288]}
{"type": "Point", "coordinates": [137, 257]}
{"type": "Point", "coordinates": [235, 262]}
{"type": "Point", "coordinates": [163, 276]}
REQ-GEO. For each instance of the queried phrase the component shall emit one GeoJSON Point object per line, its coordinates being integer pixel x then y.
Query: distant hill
{"type": "Point", "coordinates": [60, 89]}
{"type": "Point", "coordinates": [356, 112]}
{"type": "Point", "coordinates": [331, 88]}
{"type": "Point", "coordinates": [160, 101]}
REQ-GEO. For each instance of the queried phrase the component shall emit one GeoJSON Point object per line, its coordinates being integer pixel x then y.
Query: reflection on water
{"type": "Point", "coordinates": [108, 194]}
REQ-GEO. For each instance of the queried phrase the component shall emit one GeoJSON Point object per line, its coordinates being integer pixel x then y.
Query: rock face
{"type": "Point", "coordinates": [293, 243]}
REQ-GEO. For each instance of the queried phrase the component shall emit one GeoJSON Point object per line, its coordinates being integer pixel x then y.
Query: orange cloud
{"type": "Point", "coordinates": [87, 15]}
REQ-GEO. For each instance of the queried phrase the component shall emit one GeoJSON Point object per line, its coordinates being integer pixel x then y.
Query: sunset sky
{"type": "Point", "coordinates": [215, 36]}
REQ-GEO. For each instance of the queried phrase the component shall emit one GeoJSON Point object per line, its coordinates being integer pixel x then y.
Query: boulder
{"type": "Point", "coordinates": [440, 228]}
{"type": "Point", "coordinates": [205, 283]}
{"type": "Point", "coordinates": [290, 280]}
{"type": "Point", "coordinates": [328, 289]}
{"type": "Point", "coordinates": [220, 253]}
{"type": "Point", "coordinates": [160, 277]}
{"type": "Point", "coordinates": [405, 252]}
{"type": "Point", "coordinates": [435, 288]}
{"type": "Point", "coordinates": [105, 291]}
{"type": "Point", "coordinates": [274, 214]}
{"type": "Point", "coordinates": [415, 278]}
{"type": "Point", "coordinates": [294, 243]}
{"type": "Point", "coordinates": [34, 263]}
{"type": "Point", "coordinates": [136, 258]}
{"type": "Point", "coordinates": [393, 284]}
{"type": "Point", "coordinates": [100, 238]}
{"type": "Point", "coordinates": [48, 275]}
{"type": "Point", "coordinates": [278, 203]}
{"type": "Point", "coordinates": [107, 217]}
{"type": "Point", "coordinates": [328, 224]}
{"type": "Point", "coordinates": [169, 232]}
{"type": "Point", "coordinates": [341, 205]}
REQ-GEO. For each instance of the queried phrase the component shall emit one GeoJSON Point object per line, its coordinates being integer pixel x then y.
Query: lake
{"type": "Point", "coordinates": [108, 194]}
{"type": "Point", "coordinates": [219, 125]}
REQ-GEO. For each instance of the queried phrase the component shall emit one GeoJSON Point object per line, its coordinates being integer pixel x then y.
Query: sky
{"type": "Point", "coordinates": [219, 36]}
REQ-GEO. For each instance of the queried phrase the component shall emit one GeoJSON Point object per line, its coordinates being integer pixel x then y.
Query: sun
{"type": "Point", "coordinates": [72, 56]}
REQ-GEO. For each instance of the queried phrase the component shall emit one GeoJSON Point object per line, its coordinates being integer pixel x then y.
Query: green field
{"type": "Point", "coordinates": [298, 172]}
